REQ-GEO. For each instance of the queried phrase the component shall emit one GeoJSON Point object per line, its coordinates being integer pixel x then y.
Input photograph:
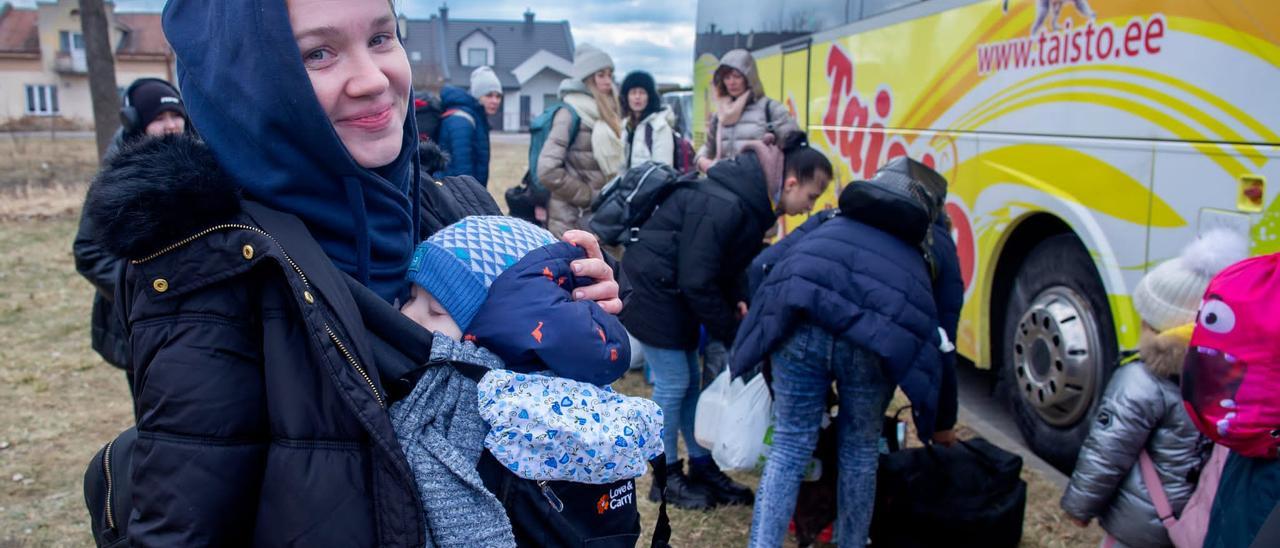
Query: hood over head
{"type": "Point", "coordinates": [742, 61]}
{"type": "Point", "coordinates": [247, 92]}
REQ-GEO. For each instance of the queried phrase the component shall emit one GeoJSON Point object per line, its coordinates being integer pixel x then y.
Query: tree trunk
{"type": "Point", "coordinates": [102, 72]}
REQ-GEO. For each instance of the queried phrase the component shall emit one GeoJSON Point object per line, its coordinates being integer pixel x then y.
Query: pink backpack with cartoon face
{"type": "Point", "coordinates": [1231, 377]}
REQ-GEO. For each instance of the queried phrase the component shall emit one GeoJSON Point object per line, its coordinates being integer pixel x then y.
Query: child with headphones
{"type": "Point", "coordinates": [152, 107]}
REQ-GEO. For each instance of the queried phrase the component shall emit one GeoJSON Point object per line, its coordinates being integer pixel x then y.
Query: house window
{"type": "Point", "coordinates": [70, 41]}
{"type": "Point", "coordinates": [42, 100]}
{"type": "Point", "coordinates": [477, 57]}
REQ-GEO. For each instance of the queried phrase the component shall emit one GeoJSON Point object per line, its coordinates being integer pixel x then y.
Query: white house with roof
{"type": "Point", "coordinates": [530, 57]}
{"type": "Point", "coordinates": [43, 70]}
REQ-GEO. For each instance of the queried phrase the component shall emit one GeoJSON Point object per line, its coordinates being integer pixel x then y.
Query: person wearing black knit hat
{"type": "Point", "coordinates": [152, 107]}
{"type": "Point", "coordinates": [649, 124]}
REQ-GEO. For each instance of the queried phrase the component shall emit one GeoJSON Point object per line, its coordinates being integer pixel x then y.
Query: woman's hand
{"type": "Point", "coordinates": [705, 164]}
{"type": "Point", "coordinates": [605, 291]}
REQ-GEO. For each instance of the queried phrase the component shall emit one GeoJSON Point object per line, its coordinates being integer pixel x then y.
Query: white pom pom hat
{"type": "Point", "coordinates": [1170, 294]}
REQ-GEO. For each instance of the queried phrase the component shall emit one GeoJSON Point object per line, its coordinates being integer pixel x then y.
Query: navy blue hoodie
{"type": "Point", "coordinates": [249, 96]}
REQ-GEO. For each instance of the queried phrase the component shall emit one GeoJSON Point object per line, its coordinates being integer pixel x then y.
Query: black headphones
{"type": "Point", "coordinates": [128, 113]}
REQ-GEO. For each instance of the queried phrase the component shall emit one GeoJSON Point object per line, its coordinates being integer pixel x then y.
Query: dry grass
{"type": "Point", "coordinates": [31, 161]}
{"type": "Point", "coordinates": [62, 402]}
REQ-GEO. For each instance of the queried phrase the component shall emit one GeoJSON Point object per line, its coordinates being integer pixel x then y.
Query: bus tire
{"type": "Point", "coordinates": [1058, 348]}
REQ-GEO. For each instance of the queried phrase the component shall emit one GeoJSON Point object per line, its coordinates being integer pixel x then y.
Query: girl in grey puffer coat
{"type": "Point", "coordinates": [742, 111]}
{"type": "Point", "coordinates": [1142, 408]}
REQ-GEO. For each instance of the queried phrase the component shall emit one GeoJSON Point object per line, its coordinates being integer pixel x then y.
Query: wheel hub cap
{"type": "Point", "coordinates": [1055, 355]}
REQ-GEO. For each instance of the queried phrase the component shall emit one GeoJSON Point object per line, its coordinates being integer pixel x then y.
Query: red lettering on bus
{"type": "Point", "coordinates": [1132, 35]}
{"type": "Point", "coordinates": [966, 251]}
{"type": "Point", "coordinates": [1155, 31]}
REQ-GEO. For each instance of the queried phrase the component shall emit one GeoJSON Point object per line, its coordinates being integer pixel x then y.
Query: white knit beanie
{"type": "Point", "coordinates": [1170, 295]}
{"type": "Point", "coordinates": [483, 82]}
{"type": "Point", "coordinates": [589, 60]}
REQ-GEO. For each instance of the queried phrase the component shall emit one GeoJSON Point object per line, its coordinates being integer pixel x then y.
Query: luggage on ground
{"type": "Point", "coordinates": [969, 494]}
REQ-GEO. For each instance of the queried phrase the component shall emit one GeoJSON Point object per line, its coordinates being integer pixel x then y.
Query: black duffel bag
{"type": "Point", "coordinates": [970, 494]}
{"type": "Point", "coordinates": [524, 199]}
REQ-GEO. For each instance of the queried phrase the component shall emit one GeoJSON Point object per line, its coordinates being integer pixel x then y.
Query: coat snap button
{"type": "Point", "coordinates": [247, 251]}
{"type": "Point", "coordinates": [306, 296]}
{"type": "Point", "coordinates": [160, 285]}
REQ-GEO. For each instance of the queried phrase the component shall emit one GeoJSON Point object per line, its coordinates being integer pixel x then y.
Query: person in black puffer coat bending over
{"type": "Point", "coordinates": [687, 269]}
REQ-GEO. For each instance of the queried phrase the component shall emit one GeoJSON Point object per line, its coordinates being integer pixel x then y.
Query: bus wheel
{"type": "Point", "coordinates": [1058, 348]}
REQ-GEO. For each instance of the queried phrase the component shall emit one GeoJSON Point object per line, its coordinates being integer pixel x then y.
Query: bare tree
{"type": "Point", "coordinates": [102, 71]}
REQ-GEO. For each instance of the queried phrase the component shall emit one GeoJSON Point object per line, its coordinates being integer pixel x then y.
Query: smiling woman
{"type": "Point", "coordinates": [257, 261]}
{"type": "Point", "coordinates": [359, 71]}
{"type": "Point", "coordinates": [263, 263]}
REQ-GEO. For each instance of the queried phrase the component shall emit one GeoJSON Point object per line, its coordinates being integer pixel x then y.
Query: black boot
{"type": "Point", "coordinates": [722, 488]}
{"type": "Point", "coordinates": [681, 493]}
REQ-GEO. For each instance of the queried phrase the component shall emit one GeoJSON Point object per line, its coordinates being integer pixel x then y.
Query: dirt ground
{"type": "Point", "coordinates": [62, 403]}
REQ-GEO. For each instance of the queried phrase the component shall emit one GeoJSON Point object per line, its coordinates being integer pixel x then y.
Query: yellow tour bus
{"type": "Point", "coordinates": [1084, 141]}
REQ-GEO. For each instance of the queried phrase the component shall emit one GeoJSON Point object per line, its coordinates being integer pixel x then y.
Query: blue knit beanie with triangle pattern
{"type": "Point", "coordinates": [459, 263]}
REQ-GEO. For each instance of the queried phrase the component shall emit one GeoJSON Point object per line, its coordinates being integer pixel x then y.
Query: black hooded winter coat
{"type": "Point", "coordinates": [261, 390]}
{"type": "Point", "coordinates": [689, 263]}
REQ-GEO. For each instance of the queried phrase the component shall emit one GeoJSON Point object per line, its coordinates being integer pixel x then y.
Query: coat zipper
{"type": "Point", "coordinates": [306, 284]}
{"type": "Point", "coordinates": [352, 360]}
{"type": "Point", "coordinates": [106, 468]}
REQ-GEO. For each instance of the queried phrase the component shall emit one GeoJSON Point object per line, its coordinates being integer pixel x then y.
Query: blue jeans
{"type": "Point", "coordinates": [803, 368]}
{"type": "Point", "coordinates": [676, 386]}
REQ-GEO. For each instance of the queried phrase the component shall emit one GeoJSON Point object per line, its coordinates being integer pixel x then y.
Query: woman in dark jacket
{"type": "Point", "coordinates": [464, 128]}
{"type": "Point", "coordinates": [852, 303]}
{"type": "Point", "coordinates": [153, 108]}
{"type": "Point", "coordinates": [261, 276]}
{"type": "Point", "coordinates": [687, 270]}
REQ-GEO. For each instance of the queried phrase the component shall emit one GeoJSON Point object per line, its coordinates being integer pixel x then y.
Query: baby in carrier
{"type": "Point", "coordinates": [497, 291]}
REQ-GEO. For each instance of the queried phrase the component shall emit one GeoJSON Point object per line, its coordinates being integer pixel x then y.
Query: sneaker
{"type": "Point", "coordinates": [680, 492]}
{"type": "Point", "coordinates": [722, 488]}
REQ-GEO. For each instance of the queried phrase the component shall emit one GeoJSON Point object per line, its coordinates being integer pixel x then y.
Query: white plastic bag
{"type": "Point", "coordinates": [740, 440]}
{"type": "Point", "coordinates": [711, 408]}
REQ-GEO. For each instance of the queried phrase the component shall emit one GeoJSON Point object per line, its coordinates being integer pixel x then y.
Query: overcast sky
{"type": "Point", "coordinates": [653, 35]}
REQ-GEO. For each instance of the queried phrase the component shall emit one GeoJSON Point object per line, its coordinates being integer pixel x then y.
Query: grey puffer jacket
{"type": "Point", "coordinates": [1142, 409]}
{"type": "Point", "coordinates": [762, 115]}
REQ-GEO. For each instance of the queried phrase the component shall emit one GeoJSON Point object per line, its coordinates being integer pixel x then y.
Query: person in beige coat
{"type": "Point", "coordinates": [575, 171]}
{"type": "Point", "coordinates": [742, 111]}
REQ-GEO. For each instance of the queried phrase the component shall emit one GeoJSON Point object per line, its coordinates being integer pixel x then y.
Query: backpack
{"type": "Point", "coordinates": [1187, 530]}
{"type": "Point", "coordinates": [540, 131]}
{"type": "Point", "coordinates": [629, 200]}
{"type": "Point", "coordinates": [428, 113]}
{"type": "Point", "coordinates": [1232, 369]}
{"type": "Point", "coordinates": [682, 159]}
